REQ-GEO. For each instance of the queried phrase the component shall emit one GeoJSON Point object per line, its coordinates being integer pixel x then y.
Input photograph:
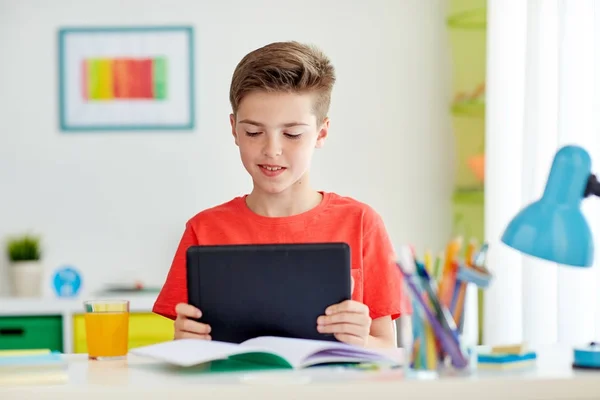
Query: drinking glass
{"type": "Point", "coordinates": [107, 329]}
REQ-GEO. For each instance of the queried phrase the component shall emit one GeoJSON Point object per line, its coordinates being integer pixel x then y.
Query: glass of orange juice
{"type": "Point", "coordinates": [107, 329]}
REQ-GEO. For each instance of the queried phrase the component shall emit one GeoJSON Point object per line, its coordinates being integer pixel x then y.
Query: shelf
{"type": "Point", "coordinates": [469, 109]}
{"type": "Point", "coordinates": [473, 196]}
{"type": "Point", "coordinates": [472, 20]}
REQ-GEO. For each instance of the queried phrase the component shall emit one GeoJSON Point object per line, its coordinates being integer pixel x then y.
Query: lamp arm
{"type": "Point", "coordinates": [592, 187]}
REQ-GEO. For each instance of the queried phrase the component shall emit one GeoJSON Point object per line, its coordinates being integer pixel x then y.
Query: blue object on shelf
{"type": "Point", "coordinates": [554, 228]}
{"type": "Point", "coordinates": [587, 357]}
{"type": "Point", "coordinates": [67, 282]}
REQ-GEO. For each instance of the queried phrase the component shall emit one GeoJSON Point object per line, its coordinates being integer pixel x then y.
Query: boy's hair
{"type": "Point", "coordinates": [285, 67]}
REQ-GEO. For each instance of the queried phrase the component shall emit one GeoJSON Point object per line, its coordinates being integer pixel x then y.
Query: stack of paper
{"type": "Point", "coordinates": [30, 367]}
{"type": "Point", "coordinates": [506, 357]}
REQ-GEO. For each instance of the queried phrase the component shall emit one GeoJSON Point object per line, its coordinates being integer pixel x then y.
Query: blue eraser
{"type": "Point", "coordinates": [471, 275]}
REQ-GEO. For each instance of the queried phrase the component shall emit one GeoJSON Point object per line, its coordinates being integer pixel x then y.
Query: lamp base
{"type": "Point", "coordinates": [575, 366]}
{"type": "Point", "coordinates": [587, 357]}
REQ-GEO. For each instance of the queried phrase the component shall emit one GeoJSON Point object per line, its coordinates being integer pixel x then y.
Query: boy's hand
{"type": "Point", "coordinates": [187, 328]}
{"type": "Point", "coordinates": [349, 321]}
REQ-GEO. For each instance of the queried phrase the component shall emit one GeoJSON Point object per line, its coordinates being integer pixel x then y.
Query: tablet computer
{"type": "Point", "coordinates": [247, 291]}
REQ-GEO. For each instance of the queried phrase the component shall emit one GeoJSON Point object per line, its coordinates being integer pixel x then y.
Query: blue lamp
{"type": "Point", "coordinates": [553, 228]}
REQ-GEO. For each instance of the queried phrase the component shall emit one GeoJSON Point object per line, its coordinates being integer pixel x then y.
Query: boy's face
{"type": "Point", "coordinates": [277, 134]}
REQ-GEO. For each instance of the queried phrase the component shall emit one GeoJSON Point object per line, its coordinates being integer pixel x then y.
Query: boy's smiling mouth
{"type": "Point", "coordinates": [271, 170]}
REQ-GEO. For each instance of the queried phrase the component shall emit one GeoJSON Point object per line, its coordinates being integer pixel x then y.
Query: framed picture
{"type": "Point", "coordinates": [126, 78]}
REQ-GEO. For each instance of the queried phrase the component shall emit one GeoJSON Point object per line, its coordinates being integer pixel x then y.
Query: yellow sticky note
{"type": "Point", "coordinates": [509, 349]}
{"type": "Point", "coordinates": [24, 352]}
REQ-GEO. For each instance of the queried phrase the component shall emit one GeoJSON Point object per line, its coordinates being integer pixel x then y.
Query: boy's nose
{"type": "Point", "coordinates": [272, 148]}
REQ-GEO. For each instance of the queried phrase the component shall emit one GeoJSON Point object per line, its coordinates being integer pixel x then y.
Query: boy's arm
{"type": "Point", "coordinates": [382, 333]}
{"type": "Point", "coordinates": [384, 290]}
{"type": "Point", "coordinates": [174, 291]}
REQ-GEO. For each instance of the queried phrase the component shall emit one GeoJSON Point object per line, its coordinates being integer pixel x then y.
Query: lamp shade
{"type": "Point", "coordinates": [554, 228]}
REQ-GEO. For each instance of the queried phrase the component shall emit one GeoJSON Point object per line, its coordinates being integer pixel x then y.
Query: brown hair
{"type": "Point", "coordinates": [285, 67]}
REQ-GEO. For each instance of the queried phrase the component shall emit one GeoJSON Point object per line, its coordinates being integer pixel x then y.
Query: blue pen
{"type": "Point", "coordinates": [443, 314]}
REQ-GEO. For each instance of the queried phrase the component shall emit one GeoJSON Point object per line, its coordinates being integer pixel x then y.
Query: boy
{"type": "Point", "coordinates": [280, 97]}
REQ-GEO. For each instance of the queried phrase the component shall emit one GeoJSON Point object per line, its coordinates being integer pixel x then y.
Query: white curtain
{"type": "Point", "coordinates": [543, 91]}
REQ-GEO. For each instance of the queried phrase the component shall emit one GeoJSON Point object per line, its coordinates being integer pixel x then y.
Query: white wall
{"type": "Point", "coordinates": [114, 205]}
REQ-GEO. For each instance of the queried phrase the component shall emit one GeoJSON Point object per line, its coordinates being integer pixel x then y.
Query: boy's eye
{"type": "Point", "coordinates": [252, 133]}
{"type": "Point", "coordinates": [292, 135]}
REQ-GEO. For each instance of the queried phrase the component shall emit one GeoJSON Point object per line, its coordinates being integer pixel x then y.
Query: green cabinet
{"type": "Point", "coordinates": [31, 332]}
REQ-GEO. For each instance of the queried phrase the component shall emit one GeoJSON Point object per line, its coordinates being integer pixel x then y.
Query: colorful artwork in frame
{"type": "Point", "coordinates": [126, 78]}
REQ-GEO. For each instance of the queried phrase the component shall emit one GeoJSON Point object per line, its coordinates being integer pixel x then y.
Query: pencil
{"type": "Point", "coordinates": [460, 303]}
{"type": "Point", "coordinates": [431, 347]}
{"type": "Point", "coordinates": [446, 285]}
{"type": "Point", "coordinates": [427, 262]}
{"type": "Point", "coordinates": [470, 251]}
{"type": "Point", "coordinates": [437, 270]}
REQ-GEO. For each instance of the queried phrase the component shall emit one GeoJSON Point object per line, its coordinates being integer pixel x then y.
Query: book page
{"type": "Point", "coordinates": [188, 352]}
{"type": "Point", "coordinates": [298, 351]}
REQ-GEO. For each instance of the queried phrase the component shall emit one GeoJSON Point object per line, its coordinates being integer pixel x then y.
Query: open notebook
{"type": "Point", "coordinates": [284, 352]}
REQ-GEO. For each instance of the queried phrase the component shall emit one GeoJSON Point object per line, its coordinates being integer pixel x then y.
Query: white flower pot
{"type": "Point", "coordinates": [26, 278]}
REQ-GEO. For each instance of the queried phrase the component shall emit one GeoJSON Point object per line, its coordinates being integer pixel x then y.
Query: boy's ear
{"type": "Point", "coordinates": [323, 131]}
{"type": "Point", "coordinates": [232, 122]}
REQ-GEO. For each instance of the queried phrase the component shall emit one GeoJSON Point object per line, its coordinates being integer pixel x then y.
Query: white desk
{"type": "Point", "coordinates": [553, 378]}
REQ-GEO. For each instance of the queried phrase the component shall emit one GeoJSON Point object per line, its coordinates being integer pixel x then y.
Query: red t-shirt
{"type": "Point", "coordinates": [377, 281]}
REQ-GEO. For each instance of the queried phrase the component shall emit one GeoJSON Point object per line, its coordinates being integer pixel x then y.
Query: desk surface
{"type": "Point", "coordinates": [552, 378]}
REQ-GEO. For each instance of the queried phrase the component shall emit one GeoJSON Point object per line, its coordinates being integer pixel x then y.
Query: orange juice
{"type": "Point", "coordinates": [107, 334]}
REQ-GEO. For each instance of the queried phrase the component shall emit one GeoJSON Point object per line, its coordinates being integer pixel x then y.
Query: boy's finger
{"type": "Point", "coordinates": [346, 328]}
{"type": "Point", "coordinates": [347, 306]}
{"type": "Point", "coordinates": [351, 285]}
{"type": "Point", "coordinates": [189, 325]}
{"type": "Point", "coordinates": [344, 317]}
{"type": "Point", "coordinates": [190, 335]}
{"type": "Point", "coordinates": [187, 310]}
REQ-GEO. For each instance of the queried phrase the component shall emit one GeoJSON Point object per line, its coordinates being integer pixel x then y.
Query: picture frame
{"type": "Point", "coordinates": [136, 78]}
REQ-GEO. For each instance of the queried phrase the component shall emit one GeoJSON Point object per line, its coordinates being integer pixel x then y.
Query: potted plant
{"type": "Point", "coordinates": [25, 266]}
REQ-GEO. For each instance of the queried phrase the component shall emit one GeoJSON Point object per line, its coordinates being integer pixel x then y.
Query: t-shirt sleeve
{"type": "Point", "coordinates": [174, 291]}
{"type": "Point", "coordinates": [384, 290]}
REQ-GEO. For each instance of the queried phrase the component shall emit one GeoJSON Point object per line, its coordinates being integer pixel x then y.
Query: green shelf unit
{"type": "Point", "coordinates": [467, 31]}
{"type": "Point", "coordinates": [471, 196]}
{"type": "Point", "coordinates": [31, 332]}
{"type": "Point", "coordinates": [475, 109]}
{"type": "Point", "coordinates": [471, 19]}
{"type": "Point", "coordinates": [468, 222]}
{"type": "Point", "coordinates": [469, 139]}
{"type": "Point", "coordinates": [468, 214]}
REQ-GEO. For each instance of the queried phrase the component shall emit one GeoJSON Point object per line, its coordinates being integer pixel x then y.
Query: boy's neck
{"type": "Point", "coordinates": [291, 202]}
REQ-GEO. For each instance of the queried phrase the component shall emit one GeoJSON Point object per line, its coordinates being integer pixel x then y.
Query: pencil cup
{"type": "Point", "coordinates": [107, 329]}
